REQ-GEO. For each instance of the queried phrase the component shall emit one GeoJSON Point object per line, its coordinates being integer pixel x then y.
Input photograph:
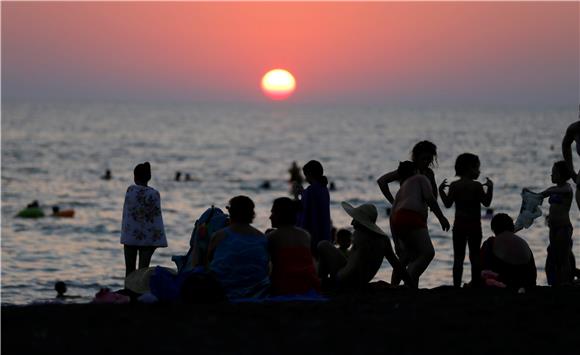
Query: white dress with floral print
{"type": "Point", "coordinates": [142, 221]}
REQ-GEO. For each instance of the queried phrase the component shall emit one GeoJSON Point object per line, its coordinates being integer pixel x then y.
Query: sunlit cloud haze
{"type": "Point", "coordinates": [397, 52]}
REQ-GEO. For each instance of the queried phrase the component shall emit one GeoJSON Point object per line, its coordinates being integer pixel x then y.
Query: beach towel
{"type": "Point", "coordinates": [142, 223]}
{"type": "Point", "coordinates": [212, 220]}
{"type": "Point", "coordinates": [530, 209]}
{"type": "Point", "coordinates": [240, 264]}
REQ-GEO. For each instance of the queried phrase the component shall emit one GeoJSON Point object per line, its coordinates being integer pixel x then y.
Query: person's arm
{"type": "Point", "coordinates": [429, 198]}
{"type": "Point", "coordinates": [562, 190]}
{"type": "Point", "coordinates": [567, 147]}
{"type": "Point", "coordinates": [487, 195]}
{"type": "Point", "coordinates": [446, 199]}
{"type": "Point", "coordinates": [383, 183]}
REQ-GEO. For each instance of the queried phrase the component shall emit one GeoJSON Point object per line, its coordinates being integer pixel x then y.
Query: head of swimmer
{"type": "Point", "coordinates": [142, 173]}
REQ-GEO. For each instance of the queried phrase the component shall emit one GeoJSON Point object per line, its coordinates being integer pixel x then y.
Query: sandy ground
{"type": "Point", "coordinates": [377, 321]}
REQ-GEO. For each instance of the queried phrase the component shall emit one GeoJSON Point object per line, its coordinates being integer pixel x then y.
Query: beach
{"type": "Point", "coordinates": [379, 320]}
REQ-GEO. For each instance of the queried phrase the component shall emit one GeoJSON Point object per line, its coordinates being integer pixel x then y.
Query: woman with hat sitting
{"type": "Point", "coordinates": [369, 245]}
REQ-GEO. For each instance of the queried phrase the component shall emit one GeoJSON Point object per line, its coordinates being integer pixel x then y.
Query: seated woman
{"type": "Point", "coordinates": [508, 255]}
{"type": "Point", "coordinates": [238, 254]}
{"type": "Point", "coordinates": [369, 245]}
{"type": "Point", "coordinates": [293, 270]}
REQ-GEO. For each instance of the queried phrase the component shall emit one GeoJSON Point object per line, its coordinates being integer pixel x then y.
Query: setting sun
{"type": "Point", "coordinates": [278, 84]}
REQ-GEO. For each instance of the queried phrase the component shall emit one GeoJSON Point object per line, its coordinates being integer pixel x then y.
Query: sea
{"type": "Point", "coordinates": [56, 153]}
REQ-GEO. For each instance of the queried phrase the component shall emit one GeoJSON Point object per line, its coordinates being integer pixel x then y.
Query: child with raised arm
{"type": "Point", "coordinates": [468, 196]}
{"type": "Point", "coordinates": [560, 196]}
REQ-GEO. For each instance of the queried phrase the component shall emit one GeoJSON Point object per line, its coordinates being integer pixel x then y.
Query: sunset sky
{"type": "Point", "coordinates": [398, 52]}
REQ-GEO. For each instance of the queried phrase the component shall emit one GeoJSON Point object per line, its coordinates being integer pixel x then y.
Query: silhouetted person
{"type": "Point", "coordinates": [60, 288]}
{"type": "Point", "coordinates": [468, 196]}
{"type": "Point", "coordinates": [266, 185]}
{"type": "Point", "coordinates": [409, 221]}
{"type": "Point", "coordinates": [293, 270]}
{"type": "Point", "coordinates": [142, 229]}
{"type": "Point", "coordinates": [238, 254]}
{"type": "Point", "coordinates": [572, 135]}
{"type": "Point", "coordinates": [369, 246]}
{"type": "Point", "coordinates": [177, 175]}
{"type": "Point", "coordinates": [107, 175]}
{"type": "Point", "coordinates": [507, 255]}
{"type": "Point", "coordinates": [332, 186]}
{"type": "Point", "coordinates": [424, 155]}
{"type": "Point", "coordinates": [560, 196]}
{"type": "Point", "coordinates": [296, 180]}
{"type": "Point", "coordinates": [187, 177]}
{"type": "Point", "coordinates": [315, 214]}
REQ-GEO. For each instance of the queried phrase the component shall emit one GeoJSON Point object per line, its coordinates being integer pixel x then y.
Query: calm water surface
{"type": "Point", "coordinates": [55, 153]}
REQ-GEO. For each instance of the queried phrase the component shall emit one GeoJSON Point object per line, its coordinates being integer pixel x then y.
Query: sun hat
{"type": "Point", "coordinates": [365, 214]}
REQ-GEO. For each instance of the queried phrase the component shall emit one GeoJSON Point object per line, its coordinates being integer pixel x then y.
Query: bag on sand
{"type": "Point", "coordinates": [210, 221]}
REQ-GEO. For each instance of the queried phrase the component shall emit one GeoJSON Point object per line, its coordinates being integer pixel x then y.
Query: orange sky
{"type": "Point", "coordinates": [357, 52]}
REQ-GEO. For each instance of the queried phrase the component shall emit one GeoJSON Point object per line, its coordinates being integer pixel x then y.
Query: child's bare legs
{"type": "Point", "coordinates": [396, 275]}
{"type": "Point", "coordinates": [459, 244]}
{"type": "Point", "coordinates": [560, 246]}
{"type": "Point", "coordinates": [474, 243]}
{"type": "Point", "coordinates": [418, 244]}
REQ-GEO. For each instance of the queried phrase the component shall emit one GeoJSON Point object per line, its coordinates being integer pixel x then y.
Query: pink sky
{"type": "Point", "coordinates": [448, 53]}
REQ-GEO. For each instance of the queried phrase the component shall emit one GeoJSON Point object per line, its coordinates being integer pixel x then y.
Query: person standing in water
{"type": "Point", "coordinates": [142, 229]}
{"type": "Point", "coordinates": [315, 214]}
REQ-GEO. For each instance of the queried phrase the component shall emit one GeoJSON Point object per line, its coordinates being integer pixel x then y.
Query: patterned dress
{"type": "Point", "coordinates": [142, 221]}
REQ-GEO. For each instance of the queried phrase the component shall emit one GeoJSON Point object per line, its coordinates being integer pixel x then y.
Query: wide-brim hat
{"type": "Point", "coordinates": [365, 214]}
{"type": "Point", "coordinates": [138, 280]}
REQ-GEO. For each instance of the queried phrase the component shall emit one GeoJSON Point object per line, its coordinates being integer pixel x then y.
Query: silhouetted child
{"type": "Point", "coordinates": [177, 175]}
{"type": "Point", "coordinates": [468, 196]}
{"type": "Point", "coordinates": [343, 240]}
{"type": "Point", "coordinates": [296, 180]}
{"type": "Point", "coordinates": [558, 265]}
{"type": "Point", "coordinates": [187, 177]}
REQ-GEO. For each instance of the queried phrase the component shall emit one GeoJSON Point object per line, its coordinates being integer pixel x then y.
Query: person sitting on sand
{"type": "Point", "coordinates": [142, 229]}
{"type": "Point", "coordinates": [409, 221]}
{"type": "Point", "coordinates": [508, 255]}
{"type": "Point", "coordinates": [343, 241]}
{"type": "Point", "coordinates": [314, 216]}
{"type": "Point", "coordinates": [238, 254]}
{"type": "Point", "coordinates": [293, 270]}
{"type": "Point", "coordinates": [560, 196]}
{"type": "Point", "coordinates": [369, 246]}
{"type": "Point", "coordinates": [468, 196]}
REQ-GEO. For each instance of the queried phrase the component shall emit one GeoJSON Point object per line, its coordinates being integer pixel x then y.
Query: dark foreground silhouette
{"type": "Point", "coordinates": [377, 321]}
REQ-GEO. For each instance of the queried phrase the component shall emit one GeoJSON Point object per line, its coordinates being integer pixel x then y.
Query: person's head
{"type": "Point", "coordinates": [55, 209]}
{"type": "Point", "coordinates": [560, 172]}
{"type": "Point", "coordinates": [60, 288]}
{"type": "Point", "coordinates": [467, 165]}
{"type": "Point", "coordinates": [343, 238]}
{"type": "Point", "coordinates": [424, 154]}
{"type": "Point", "coordinates": [142, 173]}
{"type": "Point", "coordinates": [501, 222]}
{"type": "Point", "coordinates": [314, 172]}
{"type": "Point", "coordinates": [284, 212]}
{"type": "Point", "coordinates": [406, 169]}
{"type": "Point", "coordinates": [241, 209]}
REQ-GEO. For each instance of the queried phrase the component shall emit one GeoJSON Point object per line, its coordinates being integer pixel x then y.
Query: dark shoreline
{"type": "Point", "coordinates": [379, 321]}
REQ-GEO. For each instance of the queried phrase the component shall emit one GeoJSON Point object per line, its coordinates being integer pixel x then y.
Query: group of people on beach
{"type": "Point", "coordinates": [298, 253]}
